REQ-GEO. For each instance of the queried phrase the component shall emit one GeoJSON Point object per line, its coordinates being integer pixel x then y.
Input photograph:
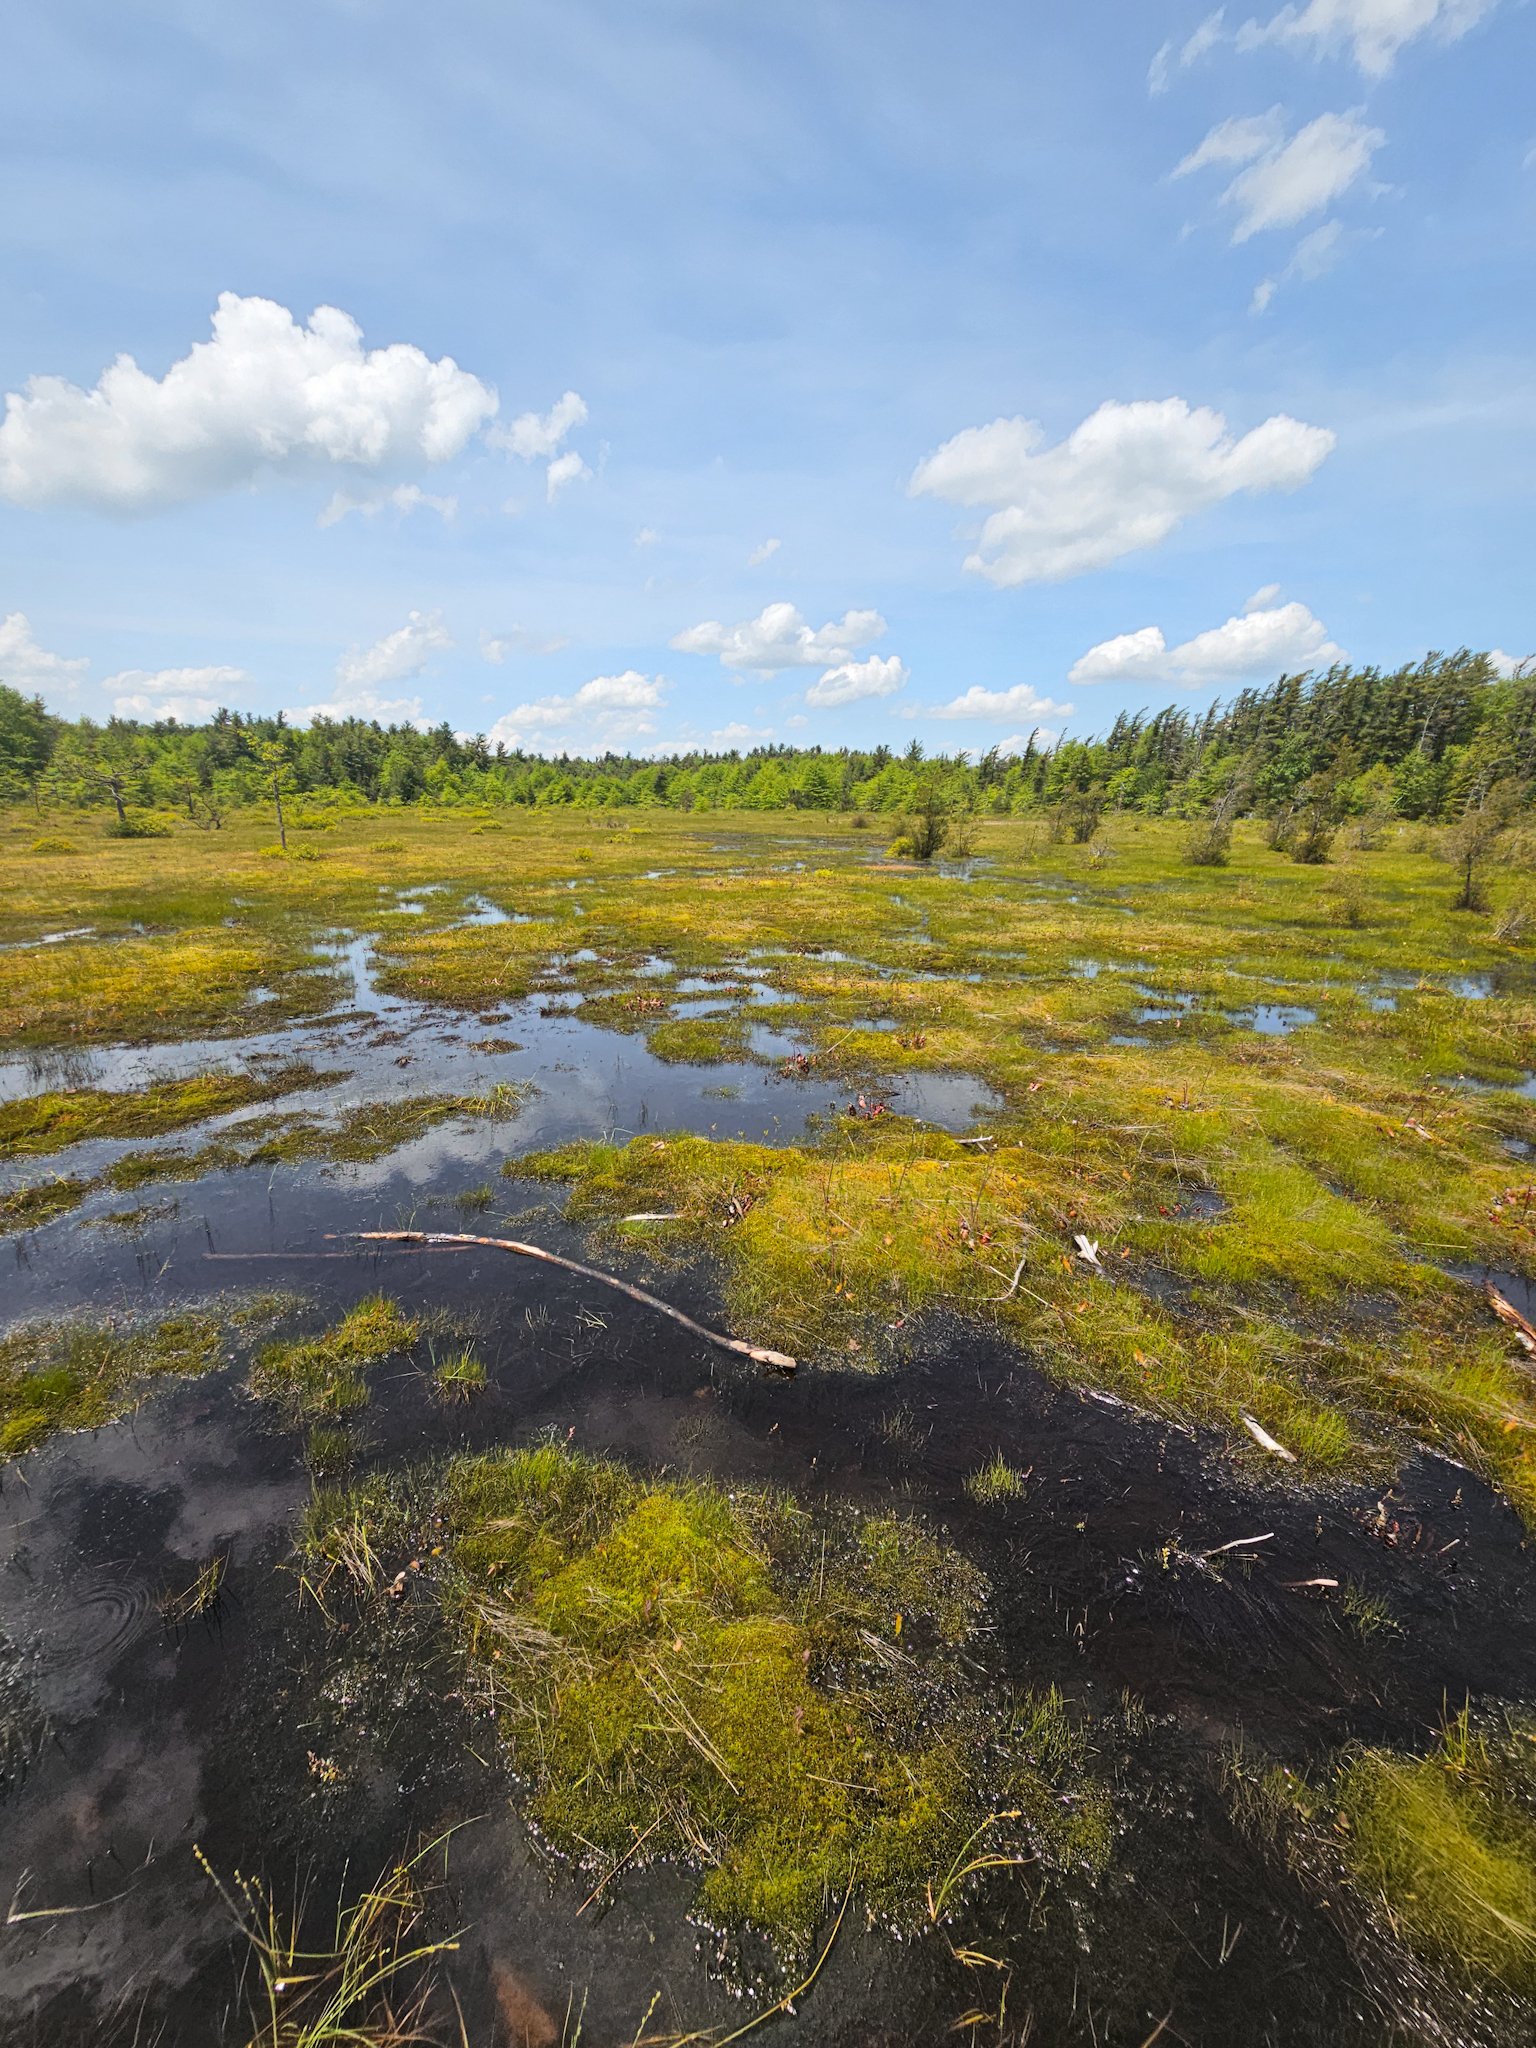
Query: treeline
{"type": "Point", "coordinates": [1420, 742]}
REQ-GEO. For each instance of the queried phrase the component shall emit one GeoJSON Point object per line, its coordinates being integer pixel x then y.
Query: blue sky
{"type": "Point", "coordinates": [714, 371]}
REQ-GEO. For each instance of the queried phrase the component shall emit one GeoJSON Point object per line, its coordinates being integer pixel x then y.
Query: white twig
{"type": "Point", "coordinates": [449, 1240]}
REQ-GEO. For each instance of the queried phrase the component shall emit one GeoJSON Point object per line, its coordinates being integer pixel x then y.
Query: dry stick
{"type": "Point", "coordinates": [450, 1240]}
{"type": "Point", "coordinates": [1238, 1543]}
{"type": "Point", "coordinates": [1507, 1313]}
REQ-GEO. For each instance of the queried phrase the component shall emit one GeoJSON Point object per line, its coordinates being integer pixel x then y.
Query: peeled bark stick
{"type": "Point", "coordinates": [1507, 1313]}
{"type": "Point", "coordinates": [452, 1239]}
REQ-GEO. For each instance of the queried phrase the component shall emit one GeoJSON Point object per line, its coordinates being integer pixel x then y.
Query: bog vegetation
{"type": "Point", "coordinates": [1235, 1021]}
{"type": "Point", "coordinates": [784, 1701]}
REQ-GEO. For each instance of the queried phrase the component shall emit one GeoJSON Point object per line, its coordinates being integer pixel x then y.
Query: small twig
{"type": "Point", "coordinates": [632, 1851]}
{"type": "Point", "coordinates": [453, 1240]}
{"type": "Point", "coordinates": [1265, 1441]}
{"type": "Point", "coordinates": [1507, 1313]}
{"type": "Point", "coordinates": [1238, 1543]}
{"type": "Point", "coordinates": [1018, 1272]}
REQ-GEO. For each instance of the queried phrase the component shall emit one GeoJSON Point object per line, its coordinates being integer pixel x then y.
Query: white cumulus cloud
{"type": "Point", "coordinates": [179, 693]}
{"type": "Point", "coordinates": [877, 676]}
{"type": "Point", "coordinates": [764, 552]}
{"type": "Point", "coordinates": [607, 712]}
{"type": "Point", "coordinates": [1373, 30]}
{"type": "Point", "coordinates": [264, 395]}
{"type": "Point", "coordinates": [403, 498]}
{"type": "Point", "coordinates": [32, 669]}
{"type": "Point", "coordinates": [779, 638]}
{"type": "Point", "coordinates": [1507, 665]}
{"type": "Point", "coordinates": [362, 703]}
{"type": "Point", "coordinates": [1121, 481]}
{"type": "Point", "coordinates": [1257, 642]}
{"type": "Point", "coordinates": [536, 436]}
{"type": "Point", "coordinates": [1018, 702]}
{"type": "Point", "coordinates": [405, 652]}
{"type": "Point", "coordinates": [565, 469]}
{"type": "Point", "coordinates": [1286, 178]}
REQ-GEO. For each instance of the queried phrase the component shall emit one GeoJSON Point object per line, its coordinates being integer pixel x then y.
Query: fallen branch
{"type": "Point", "coordinates": [1505, 1310]}
{"type": "Point", "coordinates": [453, 1240]}
{"type": "Point", "coordinates": [1265, 1441]}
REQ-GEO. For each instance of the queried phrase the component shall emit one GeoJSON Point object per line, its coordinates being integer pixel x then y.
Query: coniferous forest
{"type": "Point", "coordinates": [1421, 742]}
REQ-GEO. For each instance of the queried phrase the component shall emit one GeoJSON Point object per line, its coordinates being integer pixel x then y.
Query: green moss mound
{"type": "Point", "coordinates": [30, 1208]}
{"type": "Point", "coordinates": [782, 1700]}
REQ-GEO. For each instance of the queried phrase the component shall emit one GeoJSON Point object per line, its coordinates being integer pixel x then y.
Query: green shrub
{"type": "Point", "coordinates": [140, 825]}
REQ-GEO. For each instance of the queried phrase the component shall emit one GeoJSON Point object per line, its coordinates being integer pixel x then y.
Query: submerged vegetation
{"type": "Point", "coordinates": [46, 1123]}
{"type": "Point", "coordinates": [367, 1980]}
{"type": "Point", "coordinates": [358, 1136]}
{"type": "Point", "coordinates": [314, 1378]}
{"type": "Point", "coordinates": [782, 1700]}
{"type": "Point", "coordinates": [74, 1374]}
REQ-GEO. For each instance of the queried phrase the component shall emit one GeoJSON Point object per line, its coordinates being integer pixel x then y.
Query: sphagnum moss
{"type": "Point", "coordinates": [831, 1250]}
{"type": "Point", "coordinates": [783, 1701]}
{"type": "Point", "coordinates": [46, 1123]}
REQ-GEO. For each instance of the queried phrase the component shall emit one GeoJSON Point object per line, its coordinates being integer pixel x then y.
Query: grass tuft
{"type": "Point", "coordinates": [322, 1377]}
{"type": "Point", "coordinates": [995, 1481]}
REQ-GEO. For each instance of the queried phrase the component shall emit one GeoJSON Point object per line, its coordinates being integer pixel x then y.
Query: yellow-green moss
{"type": "Point", "coordinates": [783, 1701]}
{"type": "Point", "coordinates": [1439, 1849]}
{"type": "Point", "coordinates": [30, 1207]}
